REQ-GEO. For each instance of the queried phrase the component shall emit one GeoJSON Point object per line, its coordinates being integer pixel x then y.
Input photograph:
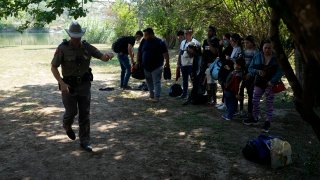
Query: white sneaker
{"type": "Point", "coordinates": [223, 107]}
{"type": "Point", "coordinates": [218, 105]}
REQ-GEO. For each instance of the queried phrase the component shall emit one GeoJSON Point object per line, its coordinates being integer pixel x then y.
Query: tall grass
{"type": "Point", "coordinates": [97, 31]}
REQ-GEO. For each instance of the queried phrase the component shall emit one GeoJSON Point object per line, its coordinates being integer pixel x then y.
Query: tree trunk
{"type": "Point", "coordinates": [298, 62]}
{"type": "Point", "coordinates": [301, 18]}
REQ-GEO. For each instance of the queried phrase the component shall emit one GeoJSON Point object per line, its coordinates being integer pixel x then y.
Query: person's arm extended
{"type": "Point", "coordinates": [130, 51]}
{"type": "Point", "coordinates": [166, 57]}
{"type": "Point", "coordinates": [106, 57]}
{"type": "Point", "coordinates": [63, 86]}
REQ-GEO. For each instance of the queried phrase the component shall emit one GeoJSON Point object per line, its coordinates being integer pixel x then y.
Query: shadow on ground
{"type": "Point", "coordinates": [135, 139]}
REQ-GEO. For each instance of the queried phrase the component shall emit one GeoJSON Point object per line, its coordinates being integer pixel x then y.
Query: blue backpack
{"type": "Point", "coordinates": [258, 150]}
{"type": "Point", "coordinates": [214, 68]}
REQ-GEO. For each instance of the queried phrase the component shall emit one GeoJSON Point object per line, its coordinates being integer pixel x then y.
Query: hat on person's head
{"type": "Point", "coordinates": [75, 30]}
{"type": "Point", "coordinates": [215, 42]}
{"type": "Point", "coordinates": [235, 37]}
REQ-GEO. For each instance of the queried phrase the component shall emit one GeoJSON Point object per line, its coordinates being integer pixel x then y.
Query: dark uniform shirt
{"type": "Point", "coordinates": [152, 51]}
{"type": "Point", "coordinates": [74, 61]}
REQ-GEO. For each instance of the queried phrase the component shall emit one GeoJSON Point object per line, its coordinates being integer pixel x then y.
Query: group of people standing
{"type": "Point", "coordinates": [234, 63]}
{"type": "Point", "coordinates": [224, 62]}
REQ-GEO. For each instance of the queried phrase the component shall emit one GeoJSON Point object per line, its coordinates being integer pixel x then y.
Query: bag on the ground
{"type": "Point", "coordinates": [215, 68]}
{"type": "Point", "coordinates": [166, 73]}
{"type": "Point", "coordinates": [258, 149]}
{"type": "Point", "coordinates": [280, 153]}
{"type": "Point", "coordinates": [175, 90]}
{"type": "Point", "coordinates": [137, 72]}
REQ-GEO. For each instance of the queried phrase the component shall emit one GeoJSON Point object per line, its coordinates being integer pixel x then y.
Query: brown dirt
{"type": "Point", "coordinates": [132, 138]}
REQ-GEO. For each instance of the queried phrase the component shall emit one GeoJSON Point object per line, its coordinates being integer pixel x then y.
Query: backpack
{"type": "Point", "coordinates": [215, 68]}
{"type": "Point", "coordinates": [175, 90]}
{"type": "Point", "coordinates": [258, 149]}
{"type": "Point", "coordinates": [121, 43]}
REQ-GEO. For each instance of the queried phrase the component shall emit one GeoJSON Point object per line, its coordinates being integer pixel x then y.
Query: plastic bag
{"type": "Point", "coordinates": [280, 153]}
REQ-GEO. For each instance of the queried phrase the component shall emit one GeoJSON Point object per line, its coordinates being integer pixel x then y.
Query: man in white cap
{"type": "Point", "coordinates": [74, 57]}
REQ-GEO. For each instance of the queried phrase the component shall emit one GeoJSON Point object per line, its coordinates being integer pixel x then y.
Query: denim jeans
{"type": "Point", "coordinates": [231, 102]}
{"type": "Point", "coordinates": [125, 69]}
{"type": "Point", "coordinates": [154, 81]}
{"type": "Point", "coordinates": [186, 72]}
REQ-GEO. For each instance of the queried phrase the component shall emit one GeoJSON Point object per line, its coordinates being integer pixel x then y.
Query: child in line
{"type": "Point", "coordinates": [232, 88]}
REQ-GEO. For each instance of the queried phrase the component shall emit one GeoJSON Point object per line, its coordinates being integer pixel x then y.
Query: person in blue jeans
{"type": "Point", "coordinates": [126, 51]}
{"type": "Point", "coordinates": [154, 53]}
{"type": "Point", "coordinates": [184, 61]}
{"type": "Point", "coordinates": [232, 87]}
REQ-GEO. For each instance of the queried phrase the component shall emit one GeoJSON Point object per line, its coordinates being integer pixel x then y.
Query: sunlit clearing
{"type": "Point", "coordinates": [76, 153]}
{"type": "Point", "coordinates": [135, 114]}
{"type": "Point", "coordinates": [157, 111]}
{"type": "Point", "coordinates": [182, 133]}
{"type": "Point", "coordinates": [110, 99]}
{"type": "Point", "coordinates": [59, 138]}
{"type": "Point", "coordinates": [202, 146]}
{"type": "Point", "coordinates": [119, 157]}
{"type": "Point", "coordinates": [106, 127]}
{"type": "Point", "coordinates": [49, 110]}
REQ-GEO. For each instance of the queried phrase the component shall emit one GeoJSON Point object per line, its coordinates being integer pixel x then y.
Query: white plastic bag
{"type": "Point", "coordinates": [280, 153]}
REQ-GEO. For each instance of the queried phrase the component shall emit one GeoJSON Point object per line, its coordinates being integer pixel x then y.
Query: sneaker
{"type": "Point", "coordinates": [266, 127]}
{"type": "Point", "coordinates": [249, 121]}
{"type": "Point", "coordinates": [86, 147]}
{"type": "Point", "coordinates": [223, 107]}
{"type": "Point", "coordinates": [218, 105]}
{"type": "Point", "coordinates": [225, 118]}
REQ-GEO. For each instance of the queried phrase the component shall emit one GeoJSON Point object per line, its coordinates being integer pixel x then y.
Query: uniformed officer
{"type": "Point", "coordinates": [74, 57]}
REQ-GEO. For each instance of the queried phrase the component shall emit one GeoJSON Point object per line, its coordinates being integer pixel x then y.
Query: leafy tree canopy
{"type": "Point", "coordinates": [41, 11]}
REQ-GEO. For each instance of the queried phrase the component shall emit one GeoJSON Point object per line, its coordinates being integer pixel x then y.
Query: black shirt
{"type": "Point", "coordinates": [125, 42]}
{"type": "Point", "coordinates": [152, 51]}
{"type": "Point", "coordinates": [207, 56]}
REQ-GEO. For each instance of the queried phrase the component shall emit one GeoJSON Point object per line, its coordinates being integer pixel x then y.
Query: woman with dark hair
{"type": "Point", "coordinates": [267, 72]}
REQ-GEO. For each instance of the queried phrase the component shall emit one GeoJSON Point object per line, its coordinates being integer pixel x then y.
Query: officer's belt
{"type": "Point", "coordinates": [76, 80]}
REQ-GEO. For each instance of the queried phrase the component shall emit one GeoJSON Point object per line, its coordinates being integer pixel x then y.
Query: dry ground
{"type": "Point", "coordinates": [132, 138]}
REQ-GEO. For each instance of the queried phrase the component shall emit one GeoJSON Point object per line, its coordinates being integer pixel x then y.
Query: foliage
{"type": "Point", "coordinates": [125, 21]}
{"type": "Point", "coordinates": [97, 32]}
{"type": "Point", "coordinates": [41, 11]}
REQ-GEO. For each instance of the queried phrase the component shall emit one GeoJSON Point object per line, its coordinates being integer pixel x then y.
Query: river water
{"type": "Point", "coordinates": [15, 38]}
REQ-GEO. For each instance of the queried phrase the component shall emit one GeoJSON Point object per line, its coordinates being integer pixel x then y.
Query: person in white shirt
{"type": "Point", "coordinates": [184, 62]}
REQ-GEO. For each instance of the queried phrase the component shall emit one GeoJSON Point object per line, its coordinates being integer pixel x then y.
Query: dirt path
{"type": "Point", "coordinates": [132, 138]}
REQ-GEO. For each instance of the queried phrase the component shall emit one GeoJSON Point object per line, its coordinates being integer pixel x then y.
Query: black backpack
{"type": "Point", "coordinates": [175, 90]}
